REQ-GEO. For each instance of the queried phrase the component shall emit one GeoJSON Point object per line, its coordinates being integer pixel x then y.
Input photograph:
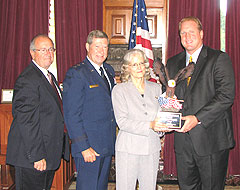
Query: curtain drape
{"type": "Point", "coordinates": [20, 21]}
{"type": "Point", "coordinates": [209, 14]}
{"type": "Point", "coordinates": [73, 23]}
{"type": "Point", "coordinates": [233, 50]}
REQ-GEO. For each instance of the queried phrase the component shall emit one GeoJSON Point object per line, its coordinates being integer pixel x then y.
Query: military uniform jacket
{"type": "Point", "coordinates": [88, 109]}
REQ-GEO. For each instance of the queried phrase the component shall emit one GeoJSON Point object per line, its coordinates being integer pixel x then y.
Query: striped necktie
{"type": "Point", "coordinates": [54, 86]}
{"type": "Point", "coordinates": [50, 76]}
{"type": "Point", "coordinates": [189, 78]}
{"type": "Point", "coordinates": [104, 78]}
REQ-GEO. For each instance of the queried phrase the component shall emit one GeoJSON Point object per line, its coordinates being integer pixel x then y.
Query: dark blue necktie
{"type": "Point", "coordinates": [104, 78]}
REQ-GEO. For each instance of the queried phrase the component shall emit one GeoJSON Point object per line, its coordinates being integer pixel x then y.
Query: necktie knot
{"type": "Point", "coordinates": [102, 72]}
{"type": "Point", "coordinates": [190, 59]}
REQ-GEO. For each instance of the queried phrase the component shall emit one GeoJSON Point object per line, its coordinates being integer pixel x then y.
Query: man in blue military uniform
{"type": "Point", "coordinates": [89, 114]}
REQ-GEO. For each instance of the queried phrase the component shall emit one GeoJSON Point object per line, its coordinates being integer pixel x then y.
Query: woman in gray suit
{"type": "Point", "coordinates": [135, 107]}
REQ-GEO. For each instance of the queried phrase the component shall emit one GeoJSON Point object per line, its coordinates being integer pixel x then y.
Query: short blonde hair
{"type": "Point", "coordinates": [190, 18]}
{"type": "Point", "coordinates": [125, 75]}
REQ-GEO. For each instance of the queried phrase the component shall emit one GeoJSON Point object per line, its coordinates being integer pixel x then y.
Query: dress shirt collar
{"type": "Point", "coordinates": [44, 71]}
{"type": "Point", "coordinates": [96, 66]}
{"type": "Point", "coordinates": [194, 56]}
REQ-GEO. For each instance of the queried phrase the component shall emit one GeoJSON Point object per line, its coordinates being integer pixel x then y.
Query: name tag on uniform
{"type": "Point", "coordinates": [93, 86]}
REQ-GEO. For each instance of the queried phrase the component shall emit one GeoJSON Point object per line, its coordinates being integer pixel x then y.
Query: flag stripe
{"type": "Point", "coordinates": [139, 35]}
{"type": "Point", "coordinates": [143, 33]}
{"type": "Point", "coordinates": [145, 43]}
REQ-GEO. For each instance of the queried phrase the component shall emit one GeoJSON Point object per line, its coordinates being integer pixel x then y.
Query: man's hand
{"type": "Point", "coordinates": [40, 165]}
{"type": "Point", "coordinates": [89, 155]}
{"type": "Point", "coordinates": [190, 122]}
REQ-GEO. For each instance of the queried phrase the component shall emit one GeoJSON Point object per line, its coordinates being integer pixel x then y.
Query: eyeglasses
{"type": "Point", "coordinates": [135, 65]}
{"type": "Point", "coordinates": [44, 50]}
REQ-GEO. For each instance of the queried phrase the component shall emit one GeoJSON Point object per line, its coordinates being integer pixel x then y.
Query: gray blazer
{"type": "Point", "coordinates": [133, 115]}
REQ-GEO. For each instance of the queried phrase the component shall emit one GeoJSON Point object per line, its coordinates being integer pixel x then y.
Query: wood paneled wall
{"type": "Point", "coordinates": [7, 172]}
{"type": "Point", "coordinates": [117, 17]}
{"type": "Point", "coordinates": [63, 175]}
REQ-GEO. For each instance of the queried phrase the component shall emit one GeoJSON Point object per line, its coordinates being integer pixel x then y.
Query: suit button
{"type": "Point", "coordinates": [29, 155]}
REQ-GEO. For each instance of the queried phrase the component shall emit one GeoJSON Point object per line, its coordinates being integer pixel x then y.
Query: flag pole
{"type": "Point", "coordinates": [136, 18]}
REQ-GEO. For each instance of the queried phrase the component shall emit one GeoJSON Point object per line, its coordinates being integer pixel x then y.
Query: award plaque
{"type": "Point", "coordinates": [172, 120]}
{"type": "Point", "coordinates": [169, 115]}
{"type": "Point", "coordinates": [7, 95]}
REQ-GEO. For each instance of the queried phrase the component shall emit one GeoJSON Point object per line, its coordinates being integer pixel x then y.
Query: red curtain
{"type": "Point", "coordinates": [19, 22]}
{"type": "Point", "coordinates": [74, 20]}
{"type": "Point", "coordinates": [233, 50]}
{"type": "Point", "coordinates": [207, 11]}
{"type": "Point", "coordinates": [209, 14]}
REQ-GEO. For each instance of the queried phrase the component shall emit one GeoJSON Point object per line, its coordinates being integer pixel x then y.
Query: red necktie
{"type": "Point", "coordinates": [59, 98]}
{"type": "Point", "coordinates": [54, 87]}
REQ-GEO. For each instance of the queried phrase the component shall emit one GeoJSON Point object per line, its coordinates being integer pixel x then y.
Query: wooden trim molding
{"type": "Point", "coordinates": [63, 176]}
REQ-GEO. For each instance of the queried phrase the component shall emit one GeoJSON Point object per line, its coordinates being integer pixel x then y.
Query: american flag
{"type": "Point", "coordinates": [139, 34]}
{"type": "Point", "coordinates": [169, 103]}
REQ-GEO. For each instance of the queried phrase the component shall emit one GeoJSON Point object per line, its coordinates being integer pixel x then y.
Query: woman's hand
{"type": "Point", "coordinates": [159, 127]}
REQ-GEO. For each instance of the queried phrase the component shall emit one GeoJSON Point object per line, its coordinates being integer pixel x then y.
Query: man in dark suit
{"type": "Point", "coordinates": [89, 114]}
{"type": "Point", "coordinates": [202, 145]}
{"type": "Point", "coordinates": [35, 139]}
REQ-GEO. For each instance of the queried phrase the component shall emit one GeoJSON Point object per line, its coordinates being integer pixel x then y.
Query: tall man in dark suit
{"type": "Point", "coordinates": [202, 145]}
{"type": "Point", "coordinates": [35, 140]}
{"type": "Point", "coordinates": [89, 114]}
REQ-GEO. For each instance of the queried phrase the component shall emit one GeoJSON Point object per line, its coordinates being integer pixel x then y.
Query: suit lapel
{"type": "Point", "coordinates": [56, 96]}
{"type": "Point", "coordinates": [201, 61]}
{"type": "Point", "coordinates": [110, 76]}
{"type": "Point", "coordinates": [56, 83]}
{"type": "Point", "coordinates": [181, 86]}
{"type": "Point", "coordinates": [48, 86]}
{"type": "Point", "coordinates": [182, 63]}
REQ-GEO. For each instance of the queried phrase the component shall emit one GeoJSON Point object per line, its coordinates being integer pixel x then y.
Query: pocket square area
{"type": "Point", "coordinates": [93, 86]}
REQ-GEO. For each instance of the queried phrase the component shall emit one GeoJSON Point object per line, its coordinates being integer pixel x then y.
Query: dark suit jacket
{"type": "Point", "coordinates": [88, 110]}
{"type": "Point", "coordinates": [37, 129]}
{"type": "Point", "coordinates": [209, 97]}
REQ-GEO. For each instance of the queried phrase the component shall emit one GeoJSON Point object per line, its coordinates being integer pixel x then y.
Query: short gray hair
{"type": "Point", "coordinates": [32, 44]}
{"type": "Point", "coordinates": [125, 75]}
{"type": "Point", "coordinates": [96, 34]}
